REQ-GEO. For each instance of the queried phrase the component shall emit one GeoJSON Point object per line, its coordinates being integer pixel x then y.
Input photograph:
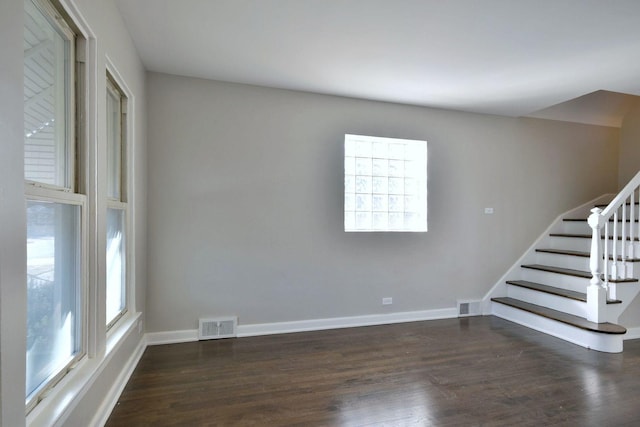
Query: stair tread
{"type": "Point", "coordinates": [607, 204]}
{"type": "Point", "coordinates": [579, 296]}
{"type": "Point", "coordinates": [565, 252]}
{"type": "Point", "coordinates": [579, 253]}
{"type": "Point", "coordinates": [585, 220]}
{"type": "Point", "coordinates": [585, 236]}
{"type": "Point", "coordinates": [569, 319]}
{"type": "Point", "coordinates": [566, 293]}
{"type": "Point", "coordinates": [559, 270]}
{"type": "Point", "coordinates": [570, 272]}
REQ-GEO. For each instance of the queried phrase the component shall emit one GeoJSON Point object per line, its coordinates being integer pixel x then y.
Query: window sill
{"type": "Point", "coordinates": [64, 397]}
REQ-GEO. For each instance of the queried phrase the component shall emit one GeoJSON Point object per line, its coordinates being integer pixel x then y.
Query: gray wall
{"type": "Point", "coordinates": [628, 167]}
{"type": "Point", "coordinates": [629, 146]}
{"type": "Point", "coordinates": [13, 251]}
{"type": "Point", "coordinates": [245, 202]}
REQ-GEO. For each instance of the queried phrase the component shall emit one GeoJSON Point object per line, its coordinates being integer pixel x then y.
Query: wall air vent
{"type": "Point", "coordinates": [222, 327]}
{"type": "Point", "coordinates": [469, 308]}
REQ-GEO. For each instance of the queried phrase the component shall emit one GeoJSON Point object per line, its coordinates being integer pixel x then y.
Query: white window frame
{"type": "Point", "coordinates": [69, 194]}
{"type": "Point", "coordinates": [114, 79]}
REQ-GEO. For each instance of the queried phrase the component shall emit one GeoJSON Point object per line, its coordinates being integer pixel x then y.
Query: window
{"type": "Point", "coordinates": [116, 301]}
{"type": "Point", "coordinates": [49, 97]}
{"type": "Point", "coordinates": [55, 207]}
{"type": "Point", "coordinates": [385, 183]}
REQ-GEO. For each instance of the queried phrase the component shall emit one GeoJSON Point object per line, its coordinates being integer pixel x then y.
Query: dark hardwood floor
{"type": "Point", "coordinates": [479, 371]}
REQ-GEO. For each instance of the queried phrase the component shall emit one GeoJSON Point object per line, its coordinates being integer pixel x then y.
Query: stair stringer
{"type": "Point", "coordinates": [529, 256]}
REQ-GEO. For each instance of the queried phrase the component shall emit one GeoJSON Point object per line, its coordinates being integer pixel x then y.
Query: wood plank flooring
{"type": "Point", "coordinates": [478, 371]}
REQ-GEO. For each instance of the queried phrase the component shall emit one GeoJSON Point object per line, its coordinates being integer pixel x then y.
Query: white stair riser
{"type": "Point", "coordinates": [629, 251]}
{"type": "Point", "coordinates": [581, 227]}
{"type": "Point", "coordinates": [584, 245]}
{"type": "Point", "coordinates": [576, 227]}
{"type": "Point", "coordinates": [555, 302]}
{"type": "Point", "coordinates": [570, 243]}
{"type": "Point", "coordinates": [557, 280]}
{"type": "Point", "coordinates": [582, 263]}
{"type": "Point", "coordinates": [602, 342]}
{"type": "Point", "coordinates": [565, 261]}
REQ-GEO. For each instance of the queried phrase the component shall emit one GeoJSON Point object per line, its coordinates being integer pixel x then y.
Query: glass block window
{"type": "Point", "coordinates": [385, 184]}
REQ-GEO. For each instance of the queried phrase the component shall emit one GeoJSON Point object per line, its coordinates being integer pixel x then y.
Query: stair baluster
{"type": "Point", "coordinates": [632, 222]}
{"type": "Point", "coordinates": [623, 245]}
{"type": "Point", "coordinates": [636, 245]}
{"type": "Point", "coordinates": [614, 249]}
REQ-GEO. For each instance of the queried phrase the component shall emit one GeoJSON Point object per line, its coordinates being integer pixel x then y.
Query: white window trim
{"type": "Point", "coordinates": [126, 192]}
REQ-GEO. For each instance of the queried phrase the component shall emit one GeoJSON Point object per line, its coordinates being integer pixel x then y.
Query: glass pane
{"type": "Point", "coordinates": [380, 167]}
{"type": "Point", "coordinates": [53, 290]}
{"type": "Point", "coordinates": [396, 151]}
{"type": "Point", "coordinates": [350, 165]}
{"type": "Point", "coordinates": [363, 220]}
{"type": "Point", "coordinates": [363, 184]}
{"type": "Point", "coordinates": [363, 202]}
{"type": "Point", "coordinates": [380, 150]}
{"type": "Point", "coordinates": [396, 204]}
{"type": "Point", "coordinates": [380, 221]}
{"type": "Point", "coordinates": [47, 98]}
{"type": "Point", "coordinates": [114, 143]}
{"type": "Point", "coordinates": [363, 148]}
{"type": "Point", "coordinates": [380, 203]}
{"type": "Point", "coordinates": [380, 185]}
{"type": "Point", "coordinates": [349, 184]}
{"type": "Point", "coordinates": [363, 166]}
{"type": "Point", "coordinates": [396, 186]}
{"type": "Point", "coordinates": [396, 168]}
{"type": "Point", "coordinates": [349, 220]}
{"type": "Point", "coordinates": [116, 251]}
{"type": "Point", "coordinates": [349, 201]}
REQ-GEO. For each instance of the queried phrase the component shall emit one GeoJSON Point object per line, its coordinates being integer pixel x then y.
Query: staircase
{"type": "Point", "coordinates": [563, 286]}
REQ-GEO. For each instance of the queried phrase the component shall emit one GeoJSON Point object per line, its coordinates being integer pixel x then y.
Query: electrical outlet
{"type": "Point", "coordinates": [387, 301]}
{"type": "Point", "coordinates": [488, 211]}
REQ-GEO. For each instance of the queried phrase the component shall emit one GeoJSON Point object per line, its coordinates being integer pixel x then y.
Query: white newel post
{"type": "Point", "coordinates": [596, 291]}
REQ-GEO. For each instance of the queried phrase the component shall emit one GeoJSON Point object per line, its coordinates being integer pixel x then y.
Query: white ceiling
{"type": "Point", "coordinates": [506, 57]}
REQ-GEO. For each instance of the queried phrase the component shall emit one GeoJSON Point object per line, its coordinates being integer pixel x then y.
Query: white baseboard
{"type": "Point", "coordinates": [110, 400]}
{"type": "Point", "coordinates": [344, 322]}
{"type": "Point", "coordinates": [170, 337]}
